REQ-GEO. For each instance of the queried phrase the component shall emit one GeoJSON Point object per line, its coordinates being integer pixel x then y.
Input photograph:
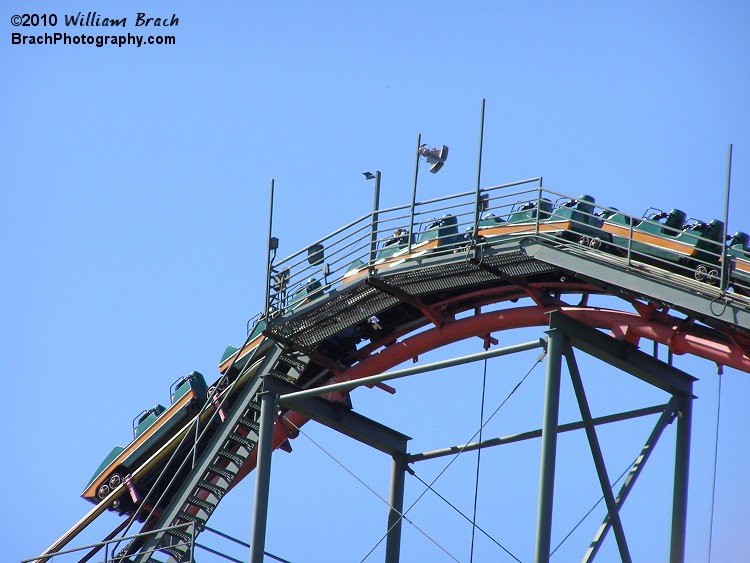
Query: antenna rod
{"type": "Point", "coordinates": [479, 177]}
{"type": "Point", "coordinates": [724, 265]}
{"type": "Point", "coordinates": [410, 234]}
{"type": "Point", "coordinates": [271, 247]}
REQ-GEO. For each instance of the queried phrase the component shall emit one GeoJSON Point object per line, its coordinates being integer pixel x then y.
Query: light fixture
{"type": "Point", "coordinates": [374, 216]}
{"type": "Point", "coordinates": [315, 254]}
{"type": "Point", "coordinates": [435, 157]}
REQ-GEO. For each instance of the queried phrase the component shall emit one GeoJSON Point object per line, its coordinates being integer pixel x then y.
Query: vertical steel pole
{"type": "Point", "coordinates": [268, 256]}
{"type": "Point", "coordinates": [475, 236]}
{"type": "Point", "coordinates": [375, 207]}
{"type": "Point", "coordinates": [414, 194]}
{"type": "Point", "coordinates": [192, 543]}
{"type": "Point", "coordinates": [681, 473]}
{"type": "Point", "coordinates": [262, 476]}
{"type": "Point", "coordinates": [724, 266]}
{"type": "Point", "coordinates": [549, 445]}
{"type": "Point", "coordinates": [395, 514]}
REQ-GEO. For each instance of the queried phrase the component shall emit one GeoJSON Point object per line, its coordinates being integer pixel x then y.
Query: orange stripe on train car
{"type": "Point", "coordinates": [241, 353]}
{"type": "Point", "coordinates": [651, 240]}
{"type": "Point", "coordinates": [138, 442]}
{"type": "Point", "coordinates": [390, 261]}
{"type": "Point", "coordinates": [522, 228]}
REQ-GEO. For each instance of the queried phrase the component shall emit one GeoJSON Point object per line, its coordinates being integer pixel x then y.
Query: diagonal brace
{"type": "Point", "coordinates": [596, 453]}
{"type": "Point", "coordinates": [539, 297]}
{"type": "Point", "coordinates": [665, 419]}
{"type": "Point", "coordinates": [436, 317]}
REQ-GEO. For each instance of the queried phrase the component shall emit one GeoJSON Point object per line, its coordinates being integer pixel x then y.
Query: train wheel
{"type": "Point", "coordinates": [713, 277]}
{"type": "Point", "coordinates": [583, 240]}
{"type": "Point", "coordinates": [102, 491]}
{"type": "Point", "coordinates": [115, 481]}
{"type": "Point", "coordinates": [595, 243]}
{"type": "Point", "coordinates": [701, 273]}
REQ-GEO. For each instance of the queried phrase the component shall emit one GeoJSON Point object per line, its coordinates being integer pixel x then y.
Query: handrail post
{"type": "Point", "coordinates": [538, 206]}
{"type": "Point", "coordinates": [630, 239]}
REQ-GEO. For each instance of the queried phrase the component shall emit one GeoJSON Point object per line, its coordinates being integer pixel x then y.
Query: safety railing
{"type": "Point", "coordinates": [113, 549]}
{"type": "Point", "coordinates": [691, 249]}
{"type": "Point", "coordinates": [364, 243]}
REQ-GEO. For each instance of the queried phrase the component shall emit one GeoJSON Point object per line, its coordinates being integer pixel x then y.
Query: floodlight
{"type": "Point", "coordinates": [436, 157]}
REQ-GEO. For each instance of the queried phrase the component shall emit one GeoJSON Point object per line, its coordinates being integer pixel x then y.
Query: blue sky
{"type": "Point", "coordinates": [135, 197]}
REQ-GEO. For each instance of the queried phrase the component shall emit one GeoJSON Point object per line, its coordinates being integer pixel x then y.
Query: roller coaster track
{"type": "Point", "coordinates": [425, 297]}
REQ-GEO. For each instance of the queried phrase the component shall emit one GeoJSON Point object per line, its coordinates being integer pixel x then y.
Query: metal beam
{"type": "Point", "coordinates": [622, 355]}
{"type": "Point", "coordinates": [555, 344]}
{"type": "Point", "coordinates": [596, 454]}
{"type": "Point", "coordinates": [396, 510]}
{"type": "Point", "coordinates": [539, 297]}
{"type": "Point", "coordinates": [262, 475]}
{"type": "Point", "coordinates": [513, 438]}
{"type": "Point", "coordinates": [367, 431]}
{"type": "Point", "coordinates": [625, 357]}
{"type": "Point", "coordinates": [605, 270]}
{"type": "Point", "coordinates": [201, 465]}
{"type": "Point", "coordinates": [436, 317]}
{"type": "Point", "coordinates": [346, 385]}
{"type": "Point", "coordinates": [681, 472]}
{"type": "Point", "coordinates": [627, 486]}
{"type": "Point", "coordinates": [341, 419]}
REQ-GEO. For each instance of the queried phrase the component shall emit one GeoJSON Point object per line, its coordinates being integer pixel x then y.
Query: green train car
{"type": "Point", "coordinates": [151, 429]}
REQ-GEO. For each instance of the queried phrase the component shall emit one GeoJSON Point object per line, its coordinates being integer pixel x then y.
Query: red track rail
{"type": "Point", "coordinates": [681, 337]}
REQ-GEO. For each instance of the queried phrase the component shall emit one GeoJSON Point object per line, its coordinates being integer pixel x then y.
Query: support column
{"type": "Point", "coordinates": [549, 445]}
{"type": "Point", "coordinates": [393, 541]}
{"type": "Point", "coordinates": [681, 472]}
{"type": "Point", "coordinates": [262, 476]}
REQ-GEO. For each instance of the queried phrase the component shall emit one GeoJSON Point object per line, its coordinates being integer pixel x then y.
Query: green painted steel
{"type": "Point", "coordinates": [147, 419]}
{"type": "Point", "coordinates": [303, 299]}
{"type": "Point", "coordinates": [213, 471]}
{"type": "Point", "coordinates": [195, 382]}
{"type": "Point", "coordinates": [228, 353]}
{"type": "Point", "coordinates": [113, 455]}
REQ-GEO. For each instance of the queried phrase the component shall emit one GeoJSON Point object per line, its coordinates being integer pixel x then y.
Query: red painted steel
{"type": "Point", "coordinates": [679, 336]}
